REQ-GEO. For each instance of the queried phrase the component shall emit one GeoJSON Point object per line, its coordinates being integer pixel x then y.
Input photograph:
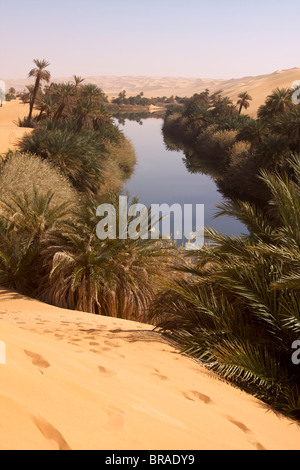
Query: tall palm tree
{"type": "Point", "coordinates": [243, 101]}
{"type": "Point", "coordinates": [41, 74]}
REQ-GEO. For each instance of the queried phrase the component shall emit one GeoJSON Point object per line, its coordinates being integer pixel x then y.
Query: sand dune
{"type": "Point", "coordinates": [78, 381]}
{"type": "Point", "coordinates": [9, 131]}
{"type": "Point", "coordinates": [258, 86]}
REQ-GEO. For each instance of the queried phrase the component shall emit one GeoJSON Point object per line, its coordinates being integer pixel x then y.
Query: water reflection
{"type": "Point", "coordinates": [165, 174]}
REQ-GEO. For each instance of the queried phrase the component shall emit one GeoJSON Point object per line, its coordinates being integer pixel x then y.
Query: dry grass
{"type": "Point", "coordinates": [20, 172]}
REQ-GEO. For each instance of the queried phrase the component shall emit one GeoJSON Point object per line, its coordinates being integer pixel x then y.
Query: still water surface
{"type": "Point", "coordinates": [161, 177]}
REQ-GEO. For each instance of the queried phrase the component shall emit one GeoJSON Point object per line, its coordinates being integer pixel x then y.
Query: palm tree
{"type": "Point", "coordinates": [238, 310]}
{"type": "Point", "coordinates": [289, 124]}
{"type": "Point", "coordinates": [25, 222]}
{"type": "Point", "coordinates": [222, 106]}
{"type": "Point", "coordinates": [92, 93]}
{"type": "Point", "coordinates": [279, 102]}
{"type": "Point", "coordinates": [253, 131]}
{"type": "Point", "coordinates": [64, 93]}
{"type": "Point", "coordinates": [46, 104]}
{"type": "Point", "coordinates": [273, 150]}
{"type": "Point", "coordinates": [78, 80]}
{"type": "Point", "coordinates": [243, 101]}
{"type": "Point", "coordinates": [79, 155]}
{"type": "Point", "coordinates": [110, 277]}
{"type": "Point", "coordinates": [40, 75]}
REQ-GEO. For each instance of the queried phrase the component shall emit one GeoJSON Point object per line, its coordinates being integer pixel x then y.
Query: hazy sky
{"type": "Point", "coordinates": [188, 38]}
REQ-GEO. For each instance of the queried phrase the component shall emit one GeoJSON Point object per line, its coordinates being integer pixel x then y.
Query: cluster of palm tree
{"type": "Point", "coordinates": [217, 131]}
{"type": "Point", "coordinates": [74, 158]}
{"type": "Point", "coordinates": [73, 131]}
{"type": "Point", "coordinates": [238, 308]}
{"type": "Point", "coordinates": [84, 102]}
{"type": "Point", "coordinates": [50, 250]}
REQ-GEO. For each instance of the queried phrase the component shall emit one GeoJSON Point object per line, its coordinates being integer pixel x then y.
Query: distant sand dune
{"type": "Point", "coordinates": [259, 87]}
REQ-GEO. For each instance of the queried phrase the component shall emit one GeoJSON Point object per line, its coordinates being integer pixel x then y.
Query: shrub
{"type": "Point", "coordinates": [20, 172]}
{"type": "Point", "coordinates": [239, 311]}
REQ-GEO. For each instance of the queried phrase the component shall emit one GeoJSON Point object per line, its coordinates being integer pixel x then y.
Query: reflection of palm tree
{"type": "Point", "coordinates": [243, 101]}
{"type": "Point", "coordinates": [40, 75]}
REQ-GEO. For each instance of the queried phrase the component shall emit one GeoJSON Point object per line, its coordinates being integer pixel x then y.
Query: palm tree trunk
{"type": "Point", "coordinates": [34, 95]}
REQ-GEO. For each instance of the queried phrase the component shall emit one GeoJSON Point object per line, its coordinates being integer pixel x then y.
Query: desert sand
{"type": "Point", "coordinates": [9, 131]}
{"type": "Point", "coordinates": [259, 87]}
{"type": "Point", "coordinates": [73, 380]}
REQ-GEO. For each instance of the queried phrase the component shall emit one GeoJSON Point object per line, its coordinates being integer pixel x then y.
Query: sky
{"type": "Point", "coordinates": [186, 38]}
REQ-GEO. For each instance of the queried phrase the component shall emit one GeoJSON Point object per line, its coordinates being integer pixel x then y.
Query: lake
{"type": "Point", "coordinates": [161, 177]}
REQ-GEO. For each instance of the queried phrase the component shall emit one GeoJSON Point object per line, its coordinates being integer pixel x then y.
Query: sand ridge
{"type": "Point", "coordinates": [74, 380]}
{"type": "Point", "coordinates": [259, 87]}
{"type": "Point", "coordinates": [10, 133]}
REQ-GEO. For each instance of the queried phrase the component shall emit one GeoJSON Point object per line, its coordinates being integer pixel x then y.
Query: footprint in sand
{"type": "Point", "coordinates": [193, 395]}
{"type": "Point", "coordinates": [246, 430]}
{"type": "Point", "coordinates": [106, 372]}
{"type": "Point", "coordinates": [58, 336]}
{"type": "Point", "coordinates": [240, 425]}
{"type": "Point", "coordinates": [159, 375]}
{"type": "Point", "coordinates": [111, 343]}
{"type": "Point", "coordinates": [37, 359]}
{"type": "Point", "coordinates": [51, 433]}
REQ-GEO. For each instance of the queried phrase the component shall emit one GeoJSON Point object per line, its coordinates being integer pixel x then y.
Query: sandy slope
{"type": "Point", "coordinates": [258, 86]}
{"type": "Point", "coordinates": [79, 381]}
{"type": "Point", "coordinates": [9, 132]}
